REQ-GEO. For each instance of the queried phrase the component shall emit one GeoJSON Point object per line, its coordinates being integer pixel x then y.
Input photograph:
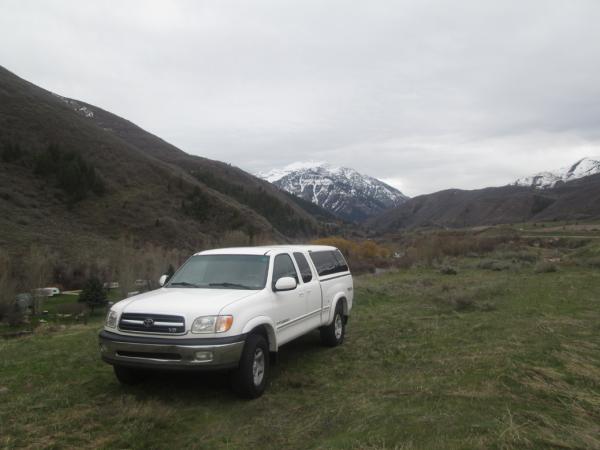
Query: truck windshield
{"type": "Point", "coordinates": [222, 272]}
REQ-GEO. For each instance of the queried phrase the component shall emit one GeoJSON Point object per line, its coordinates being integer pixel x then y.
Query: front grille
{"type": "Point", "coordinates": [152, 323]}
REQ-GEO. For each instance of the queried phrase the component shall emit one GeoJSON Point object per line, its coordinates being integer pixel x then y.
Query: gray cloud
{"type": "Point", "coordinates": [424, 94]}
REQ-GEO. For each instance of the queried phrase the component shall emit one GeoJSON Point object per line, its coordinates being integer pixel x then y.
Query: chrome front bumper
{"type": "Point", "coordinates": [160, 353]}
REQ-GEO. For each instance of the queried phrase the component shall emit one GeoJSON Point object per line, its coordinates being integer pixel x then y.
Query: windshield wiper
{"type": "Point", "coordinates": [231, 285]}
{"type": "Point", "coordinates": [184, 283]}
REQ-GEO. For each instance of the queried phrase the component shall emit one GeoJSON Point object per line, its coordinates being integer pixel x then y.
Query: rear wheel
{"type": "Point", "coordinates": [129, 375]}
{"type": "Point", "coordinates": [333, 334]}
{"type": "Point", "coordinates": [249, 380]}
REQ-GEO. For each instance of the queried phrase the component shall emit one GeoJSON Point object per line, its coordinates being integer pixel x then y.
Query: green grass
{"type": "Point", "coordinates": [55, 304]}
{"type": "Point", "coordinates": [481, 359]}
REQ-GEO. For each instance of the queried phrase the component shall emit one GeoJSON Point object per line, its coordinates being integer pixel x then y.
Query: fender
{"type": "Point", "coordinates": [339, 296]}
{"type": "Point", "coordinates": [268, 324]}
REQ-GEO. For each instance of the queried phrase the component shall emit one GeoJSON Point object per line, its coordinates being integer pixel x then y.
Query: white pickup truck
{"type": "Point", "coordinates": [230, 309]}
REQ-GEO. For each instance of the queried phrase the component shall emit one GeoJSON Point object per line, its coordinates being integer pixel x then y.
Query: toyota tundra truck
{"type": "Point", "coordinates": [230, 309]}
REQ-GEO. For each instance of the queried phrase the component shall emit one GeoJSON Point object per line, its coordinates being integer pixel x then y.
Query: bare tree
{"type": "Point", "coordinates": [8, 290]}
{"type": "Point", "coordinates": [37, 273]}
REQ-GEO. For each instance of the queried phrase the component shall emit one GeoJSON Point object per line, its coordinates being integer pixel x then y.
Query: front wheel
{"type": "Point", "coordinates": [333, 334]}
{"type": "Point", "coordinates": [249, 380]}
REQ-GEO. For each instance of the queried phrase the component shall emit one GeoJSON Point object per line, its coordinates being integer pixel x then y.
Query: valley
{"type": "Point", "coordinates": [473, 341]}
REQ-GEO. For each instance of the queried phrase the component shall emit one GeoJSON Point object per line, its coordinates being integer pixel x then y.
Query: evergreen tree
{"type": "Point", "coordinates": [93, 294]}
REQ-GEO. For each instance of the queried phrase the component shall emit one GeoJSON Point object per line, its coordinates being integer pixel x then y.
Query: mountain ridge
{"type": "Point", "coordinates": [578, 199]}
{"type": "Point", "coordinates": [549, 179]}
{"type": "Point", "coordinates": [341, 190]}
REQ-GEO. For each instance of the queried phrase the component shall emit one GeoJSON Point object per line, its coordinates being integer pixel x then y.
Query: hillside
{"type": "Point", "coordinates": [575, 200]}
{"type": "Point", "coordinates": [342, 191]}
{"type": "Point", "coordinates": [143, 187]}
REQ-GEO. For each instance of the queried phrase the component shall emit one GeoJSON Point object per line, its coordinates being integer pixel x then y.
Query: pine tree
{"type": "Point", "coordinates": [93, 294]}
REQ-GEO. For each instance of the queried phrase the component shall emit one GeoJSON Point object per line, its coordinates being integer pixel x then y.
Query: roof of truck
{"type": "Point", "coordinates": [264, 250]}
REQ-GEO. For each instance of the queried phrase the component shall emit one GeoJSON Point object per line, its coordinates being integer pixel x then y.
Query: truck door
{"type": "Point", "coordinates": [290, 306]}
{"type": "Point", "coordinates": [312, 292]}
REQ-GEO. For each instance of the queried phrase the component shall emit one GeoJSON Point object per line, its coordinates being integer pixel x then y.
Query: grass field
{"type": "Point", "coordinates": [481, 359]}
{"type": "Point", "coordinates": [59, 303]}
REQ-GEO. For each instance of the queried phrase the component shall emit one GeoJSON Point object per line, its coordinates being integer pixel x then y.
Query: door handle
{"type": "Point", "coordinates": [301, 294]}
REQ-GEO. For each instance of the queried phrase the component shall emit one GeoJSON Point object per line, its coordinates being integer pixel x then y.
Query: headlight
{"type": "Point", "coordinates": [111, 319]}
{"type": "Point", "coordinates": [212, 324]}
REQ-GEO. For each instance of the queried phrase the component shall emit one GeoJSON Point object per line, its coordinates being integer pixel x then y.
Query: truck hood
{"type": "Point", "coordinates": [188, 302]}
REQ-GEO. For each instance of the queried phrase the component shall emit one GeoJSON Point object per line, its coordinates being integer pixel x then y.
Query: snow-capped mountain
{"type": "Point", "coordinates": [544, 180]}
{"type": "Point", "coordinates": [343, 191]}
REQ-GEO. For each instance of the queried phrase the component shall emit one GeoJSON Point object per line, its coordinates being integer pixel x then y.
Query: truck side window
{"type": "Point", "coordinates": [342, 264]}
{"type": "Point", "coordinates": [284, 267]}
{"type": "Point", "coordinates": [328, 262]}
{"type": "Point", "coordinates": [303, 266]}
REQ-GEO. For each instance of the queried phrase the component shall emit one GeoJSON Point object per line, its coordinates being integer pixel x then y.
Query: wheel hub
{"type": "Point", "coordinates": [258, 366]}
{"type": "Point", "coordinates": [339, 326]}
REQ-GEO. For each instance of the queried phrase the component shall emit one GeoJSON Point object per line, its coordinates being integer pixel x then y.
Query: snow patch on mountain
{"type": "Point", "coordinates": [77, 107]}
{"type": "Point", "coordinates": [549, 179]}
{"type": "Point", "coordinates": [341, 190]}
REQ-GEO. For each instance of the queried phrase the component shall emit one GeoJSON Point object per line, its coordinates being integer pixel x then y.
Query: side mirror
{"type": "Point", "coordinates": [285, 284]}
{"type": "Point", "coordinates": [163, 279]}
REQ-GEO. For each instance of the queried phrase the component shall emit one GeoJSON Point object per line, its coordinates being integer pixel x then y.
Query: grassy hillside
{"type": "Point", "coordinates": [142, 187]}
{"type": "Point", "coordinates": [455, 208]}
{"type": "Point", "coordinates": [504, 356]}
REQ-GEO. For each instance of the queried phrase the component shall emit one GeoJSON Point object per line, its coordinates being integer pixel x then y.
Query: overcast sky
{"type": "Point", "coordinates": [426, 95]}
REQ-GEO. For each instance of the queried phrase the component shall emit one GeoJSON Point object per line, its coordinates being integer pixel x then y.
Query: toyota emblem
{"type": "Point", "coordinates": [148, 322]}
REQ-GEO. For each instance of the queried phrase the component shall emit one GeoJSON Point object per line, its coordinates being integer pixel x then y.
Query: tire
{"type": "Point", "coordinates": [249, 380]}
{"type": "Point", "coordinates": [333, 334]}
{"type": "Point", "coordinates": [129, 376]}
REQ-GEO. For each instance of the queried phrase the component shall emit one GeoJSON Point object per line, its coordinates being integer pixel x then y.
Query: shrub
{"type": "Point", "coordinates": [75, 176]}
{"type": "Point", "coordinates": [492, 264]}
{"type": "Point", "coordinates": [593, 262]}
{"type": "Point", "coordinates": [545, 267]}
{"type": "Point", "coordinates": [447, 270]}
{"type": "Point", "coordinates": [93, 294]}
{"type": "Point", "coordinates": [523, 256]}
{"type": "Point", "coordinates": [469, 298]}
{"type": "Point", "coordinates": [11, 152]}
{"type": "Point", "coordinates": [8, 307]}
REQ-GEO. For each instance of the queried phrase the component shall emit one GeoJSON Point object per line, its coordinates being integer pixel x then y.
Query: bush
{"type": "Point", "coordinates": [75, 176]}
{"type": "Point", "coordinates": [469, 298]}
{"type": "Point", "coordinates": [447, 270]}
{"type": "Point", "coordinates": [431, 247]}
{"type": "Point", "coordinates": [11, 152]}
{"type": "Point", "coordinates": [523, 256]}
{"type": "Point", "coordinates": [93, 294]}
{"type": "Point", "coordinates": [545, 267]}
{"type": "Point", "coordinates": [492, 264]}
{"type": "Point", "coordinates": [9, 310]}
{"type": "Point", "coordinates": [592, 262]}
